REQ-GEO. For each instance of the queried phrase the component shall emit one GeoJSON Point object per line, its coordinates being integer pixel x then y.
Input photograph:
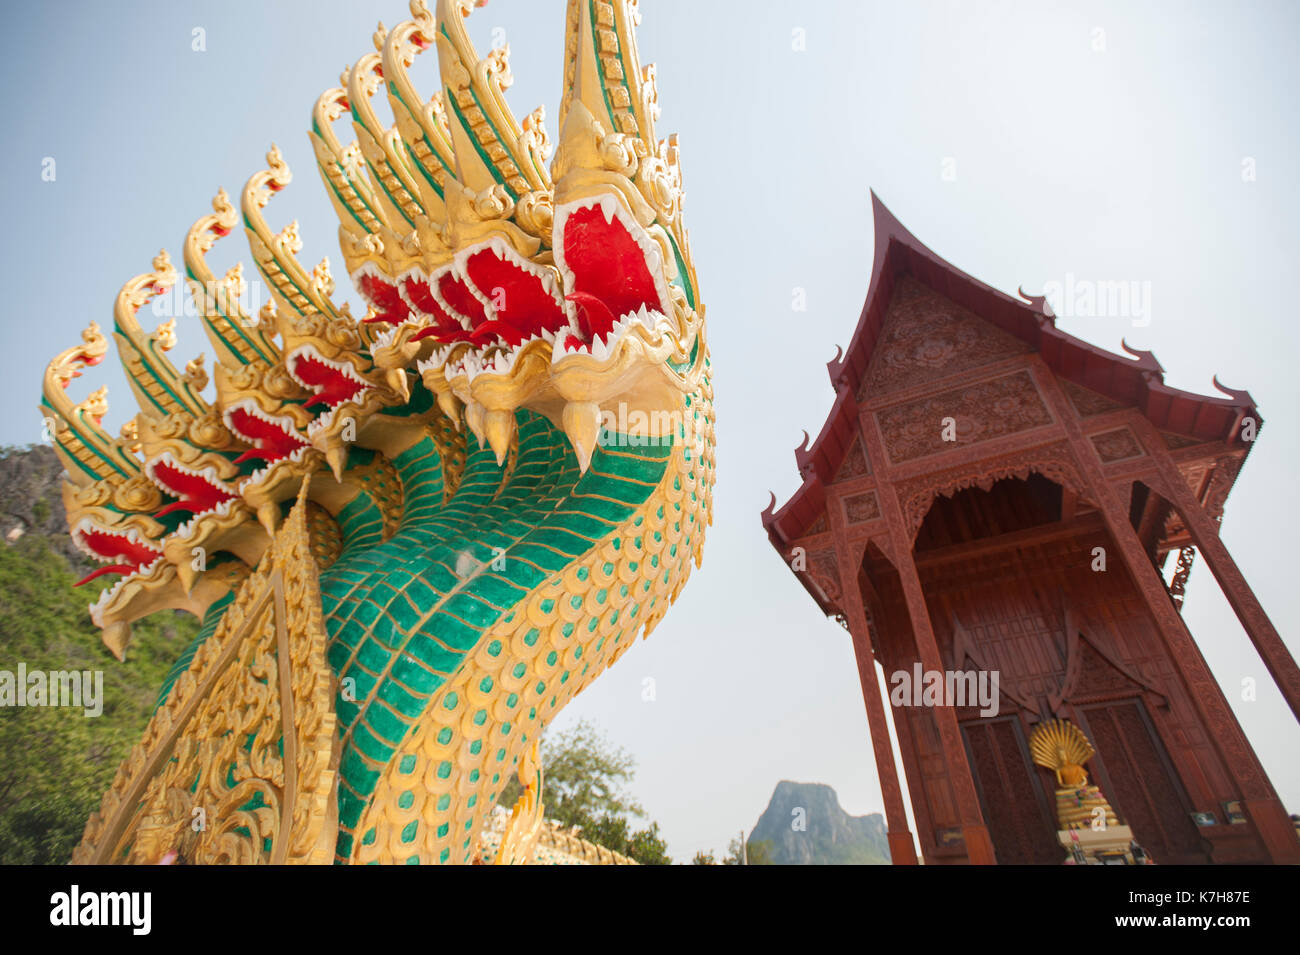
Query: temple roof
{"type": "Point", "coordinates": [1135, 381]}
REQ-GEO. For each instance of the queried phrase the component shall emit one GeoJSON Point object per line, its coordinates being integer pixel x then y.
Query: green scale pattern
{"type": "Point", "coordinates": [402, 614]}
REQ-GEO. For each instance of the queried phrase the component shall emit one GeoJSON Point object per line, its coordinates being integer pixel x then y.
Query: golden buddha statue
{"type": "Point", "coordinates": [1060, 746]}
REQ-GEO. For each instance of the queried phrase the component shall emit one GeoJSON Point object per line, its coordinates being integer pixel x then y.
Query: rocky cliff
{"type": "Point", "coordinates": [805, 825]}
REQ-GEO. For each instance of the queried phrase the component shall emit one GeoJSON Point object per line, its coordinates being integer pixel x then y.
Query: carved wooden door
{"type": "Point", "coordinates": [1136, 776]}
{"type": "Point", "coordinates": [1013, 802]}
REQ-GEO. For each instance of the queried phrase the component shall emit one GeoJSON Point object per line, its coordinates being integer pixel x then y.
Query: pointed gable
{"type": "Point", "coordinates": [927, 336]}
{"type": "Point", "coordinates": [924, 320]}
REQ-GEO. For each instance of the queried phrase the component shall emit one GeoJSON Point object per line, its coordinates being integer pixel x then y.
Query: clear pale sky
{"type": "Point", "coordinates": [1022, 142]}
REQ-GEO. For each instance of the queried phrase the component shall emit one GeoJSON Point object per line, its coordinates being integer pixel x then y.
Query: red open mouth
{"type": "Point", "coordinates": [524, 302]}
{"type": "Point", "coordinates": [445, 328]}
{"type": "Point", "coordinates": [608, 270]}
{"type": "Point", "coordinates": [132, 555]}
{"type": "Point", "coordinates": [460, 299]}
{"type": "Point", "coordinates": [332, 385]}
{"type": "Point", "coordinates": [194, 492]}
{"type": "Point", "coordinates": [271, 439]}
{"type": "Point", "coordinates": [383, 297]}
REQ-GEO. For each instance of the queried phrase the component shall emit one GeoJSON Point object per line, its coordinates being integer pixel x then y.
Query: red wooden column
{"type": "Point", "coordinates": [975, 833]}
{"type": "Point", "coordinates": [1261, 802]}
{"type": "Point", "coordinates": [1205, 534]}
{"type": "Point", "coordinates": [902, 849]}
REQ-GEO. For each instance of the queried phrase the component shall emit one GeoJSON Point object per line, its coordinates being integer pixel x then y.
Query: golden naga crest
{"type": "Point", "coordinates": [493, 283]}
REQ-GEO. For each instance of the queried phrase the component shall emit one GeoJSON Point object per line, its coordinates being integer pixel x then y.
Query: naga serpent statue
{"type": "Point", "coordinates": [411, 537]}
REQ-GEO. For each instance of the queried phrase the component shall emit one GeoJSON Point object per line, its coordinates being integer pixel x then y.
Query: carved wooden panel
{"type": "Point", "coordinates": [1014, 806]}
{"type": "Point", "coordinates": [861, 508]}
{"type": "Point", "coordinates": [1086, 401]}
{"type": "Point", "coordinates": [1097, 678]}
{"type": "Point", "coordinates": [981, 411]}
{"type": "Point", "coordinates": [927, 336]}
{"type": "Point", "coordinates": [854, 464]}
{"type": "Point", "coordinates": [1139, 784]}
{"type": "Point", "coordinates": [1175, 441]}
{"type": "Point", "coordinates": [1117, 445]}
{"type": "Point", "coordinates": [936, 783]}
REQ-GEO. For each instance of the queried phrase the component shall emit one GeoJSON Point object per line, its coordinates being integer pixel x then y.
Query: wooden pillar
{"type": "Point", "coordinates": [1261, 802]}
{"type": "Point", "coordinates": [1205, 534]}
{"type": "Point", "coordinates": [979, 845]}
{"type": "Point", "coordinates": [902, 849]}
{"type": "Point", "coordinates": [975, 833]}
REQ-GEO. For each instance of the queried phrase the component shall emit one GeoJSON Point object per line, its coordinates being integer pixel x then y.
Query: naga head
{"type": "Point", "coordinates": [121, 512]}
{"type": "Point", "coordinates": [493, 283]}
{"type": "Point", "coordinates": [505, 284]}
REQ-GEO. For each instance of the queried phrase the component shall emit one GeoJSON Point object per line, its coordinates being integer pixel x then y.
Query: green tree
{"type": "Point", "coordinates": [704, 858]}
{"type": "Point", "coordinates": [584, 784]}
{"type": "Point", "coordinates": [756, 853]}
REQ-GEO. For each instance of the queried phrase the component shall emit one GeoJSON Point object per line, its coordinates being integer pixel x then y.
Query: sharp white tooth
{"type": "Point", "coordinates": [557, 344]}
{"type": "Point", "coordinates": [608, 208]}
{"type": "Point", "coordinates": [460, 261]}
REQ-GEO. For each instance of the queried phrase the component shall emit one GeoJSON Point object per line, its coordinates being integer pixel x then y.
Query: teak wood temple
{"type": "Point", "coordinates": [989, 493]}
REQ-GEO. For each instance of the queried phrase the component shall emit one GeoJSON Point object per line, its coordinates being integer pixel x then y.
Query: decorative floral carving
{"type": "Point", "coordinates": [259, 758]}
{"type": "Point", "coordinates": [824, 572]}
{"type": "Point", "coordinates": [1117, 445]}
{"type": "Point", "coordinates": [854, 463]}
{"type": "Point", "coordinates": [981, 411]}
{"type": "Point", "coordinates": [1221, 481]}
{"type": "Point", "coordinates": [861, 508]}
{"type": "Point", "coordinates": [927, 336]}
{"type": "Point", "coordinates": [1087, 402]}
{"type": "Point", "coordinates": [1178, 586]}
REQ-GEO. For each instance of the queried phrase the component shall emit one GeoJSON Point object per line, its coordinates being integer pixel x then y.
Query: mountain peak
{"type": "Point", "coordinates": [804, 824]}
